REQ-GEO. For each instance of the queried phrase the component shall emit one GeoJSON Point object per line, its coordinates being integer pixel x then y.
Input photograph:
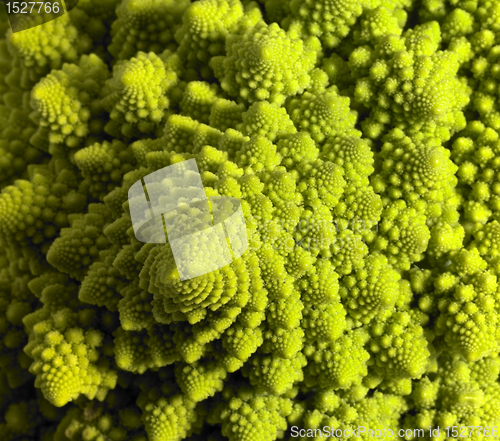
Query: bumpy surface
{"type": "Point", "coordinates": [362, 139]}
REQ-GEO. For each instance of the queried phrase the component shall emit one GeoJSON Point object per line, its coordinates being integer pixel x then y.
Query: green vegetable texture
{"type": "Point", "coordinates": [362, 138]}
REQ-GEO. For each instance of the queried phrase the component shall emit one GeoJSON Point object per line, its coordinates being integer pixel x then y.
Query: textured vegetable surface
{"type": "Point", "coordinates": [363, 141]}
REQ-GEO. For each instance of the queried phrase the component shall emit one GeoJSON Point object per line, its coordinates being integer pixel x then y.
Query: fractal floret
{"type": "Point", "coordinates": [358, 142]}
